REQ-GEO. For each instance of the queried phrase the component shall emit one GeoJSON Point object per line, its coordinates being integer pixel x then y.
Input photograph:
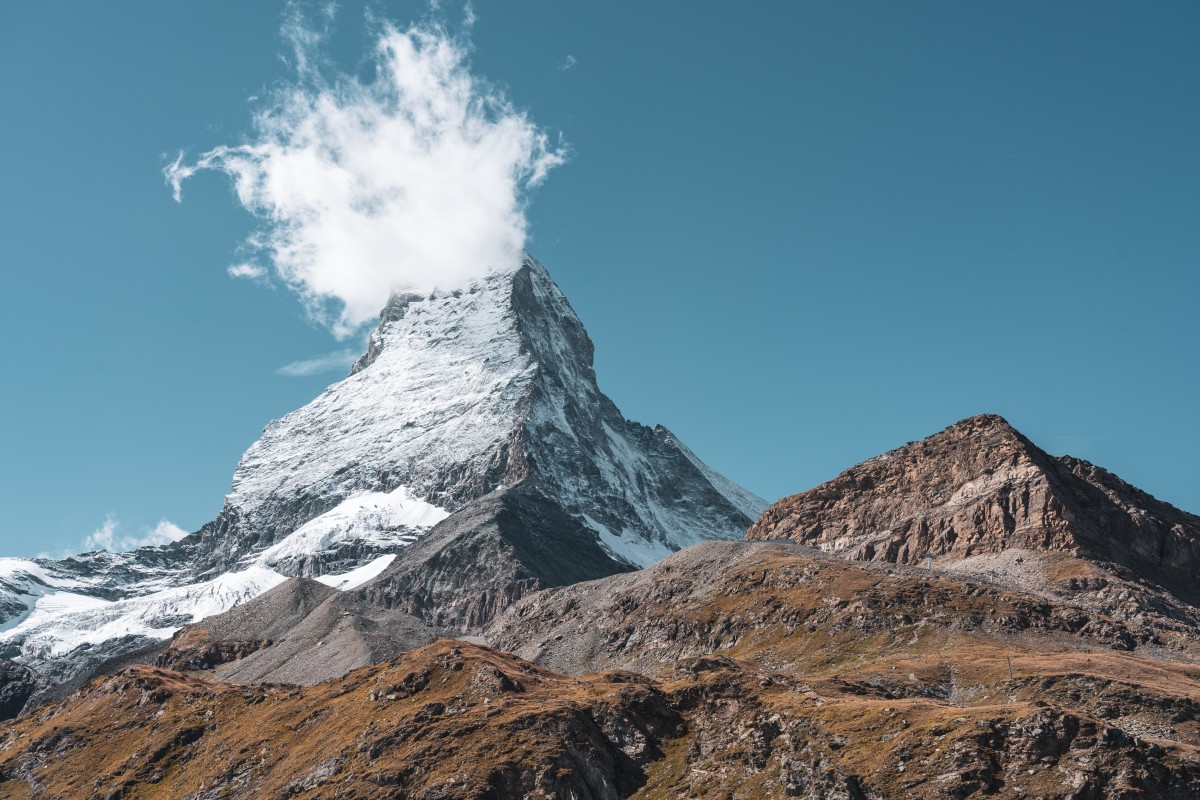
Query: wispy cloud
{"type": "Point", "coordinates": [416, 179]}
{"type": "Point", "coordinates": [568, 63]}
{"type": "Point", "coordinates": [248, 271]}
{"type": "Point", "coordinates": [330, 362]}
{"type": "Point", "coordinates": [109, 536]}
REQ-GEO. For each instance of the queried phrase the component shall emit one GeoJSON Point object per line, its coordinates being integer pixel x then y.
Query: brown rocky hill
{"type": "Point", "coordinates": [447, 720]}
{"type": "Point", "coordinates": [980, 497]}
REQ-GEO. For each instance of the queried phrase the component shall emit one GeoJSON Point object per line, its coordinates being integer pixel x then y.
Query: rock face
{"type": "Point", "coordinates": [17, 685]}
{"type": "Point", "coordinates": [488, 556]}
{"type": "Point", "coordinates": [301, 632]}
{"type": "Point", "coordinates": [785, 604]}
{"type": "Point", "coordinates": [980, 489]}
{"type": "Point", "coordinates": [454, 579]}
{"type": "Point", "coordinates": [462, 399]}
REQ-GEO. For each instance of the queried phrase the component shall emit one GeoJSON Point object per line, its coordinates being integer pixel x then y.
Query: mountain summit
{"type": "Point", "coordinates": [980, 497]}
{"type": "Point", "coordinates": [460, 394]}
{"type": "Point", "coordinates": [484, 393]}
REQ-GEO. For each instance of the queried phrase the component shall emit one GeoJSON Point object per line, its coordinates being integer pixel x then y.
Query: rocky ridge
{"type": "Point", "coordinates": [979, 497]}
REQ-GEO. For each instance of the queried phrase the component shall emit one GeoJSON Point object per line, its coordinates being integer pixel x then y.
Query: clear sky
{"type": "Point", "coordinates": [800, 234]}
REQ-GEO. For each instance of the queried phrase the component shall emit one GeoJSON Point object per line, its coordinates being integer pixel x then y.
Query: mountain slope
{"type": "Point", "coordinates": [454, 579]}
{"type": "Point", "coordinates": [899, 681]}
{"type": "Point", "coordinates": [767, 668]}
{"type": "Point", "coordinates": [454, 720]}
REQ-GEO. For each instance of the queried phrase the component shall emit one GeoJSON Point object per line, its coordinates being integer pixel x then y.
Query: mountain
{"type": "Point", "coordinates": [484, 395]}
{"type": "Point", "coordinates": [972, 659]}
{"type": "Point", "coordinates": [978, 501]}
{"type": "Point", "coordinates": [979, 497]}
{"type": "Point", "coordinates": [461, 394]}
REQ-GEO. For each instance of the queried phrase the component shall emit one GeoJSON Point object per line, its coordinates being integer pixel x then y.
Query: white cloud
{"type": "Point", "coordinates": [248, 271]}
{"type": "Point", "coordinates": [109, 536]}
{"type": "Point", "coordinates": [414, 180]}
{"type": "Point", "coordinates": [330, 362]}
{"type": "Point", "coordinates": [568, 63]}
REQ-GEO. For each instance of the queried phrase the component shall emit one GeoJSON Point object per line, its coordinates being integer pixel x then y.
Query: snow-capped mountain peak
{"type": "Point", "coordinates": [460, 394]}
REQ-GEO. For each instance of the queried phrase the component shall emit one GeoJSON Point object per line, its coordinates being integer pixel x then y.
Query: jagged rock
{"type": "Point", "coordinates": [981, 497]}
{"type": "Point", "coordinates": [464, 393]}
{"type": "Point", "coordinates": [487, 557]}
{"type": "Point", "coordinates": [17, 685]}
{"type": "Point", "coordinates": [456, 578]}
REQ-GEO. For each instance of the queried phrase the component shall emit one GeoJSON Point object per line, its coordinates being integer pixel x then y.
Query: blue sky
{"type": "Point", "coordinates": [799, 234]}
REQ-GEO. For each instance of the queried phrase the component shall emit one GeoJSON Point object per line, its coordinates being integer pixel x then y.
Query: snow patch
{"type": "Point", "coordinates": [392, 518]}
{"type": "Point", "coordinates": [630, 546]}
{"type": "Point", "coordinates": [357, 577]}
{"type": "Point", "coordinates": [61, 622]}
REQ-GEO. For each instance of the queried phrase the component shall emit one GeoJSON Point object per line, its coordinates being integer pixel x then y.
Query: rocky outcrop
{"type": "Point", "coordinates": [455, 579]}
{"type": "Point", "coordinates": [301, 632]}
{"type": "Point", "coordinates": [980, 488]}
{"type": "Point", "coordinates": [753, 734]}
{"type": "Point", "coordinates": [245, 629]}
{"type": "Point", "coordinates": [488, 556]}
{"type": "Point", "coordinates": [17, 685]}
{"type": "Point", "coordinates": [784, 604]}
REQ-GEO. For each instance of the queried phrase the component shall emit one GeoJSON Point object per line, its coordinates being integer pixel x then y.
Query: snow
{"type": "Point", "coordinates": [440, 398]}
{"type": "Point", "coordinates": [61, 622]}
{"type": "Point", "coordinates": [357, 577]}
{"type": "Point", "coordinates": [630, 547]}
{"type": "Point", "coordinates": [384, 519]}
{"type": "Point", "coordinates": [23, 582]}
{"type": "Point", "coordinates": [746, 501]}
